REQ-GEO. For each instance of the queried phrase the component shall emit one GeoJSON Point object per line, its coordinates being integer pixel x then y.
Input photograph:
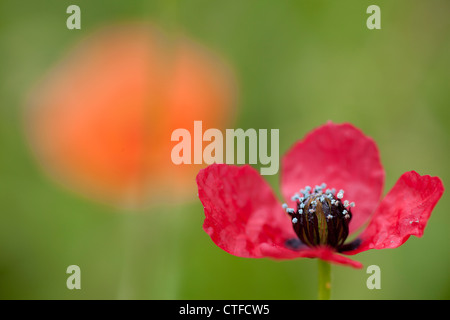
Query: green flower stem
{"type": "Point", "coordinates": [324, 269]}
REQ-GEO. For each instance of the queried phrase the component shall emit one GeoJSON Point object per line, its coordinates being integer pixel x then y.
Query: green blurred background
{"type": "Point", "coordinates": [298, 64]}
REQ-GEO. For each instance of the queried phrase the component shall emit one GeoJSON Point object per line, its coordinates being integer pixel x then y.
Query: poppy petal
{"type": "Point", "coordinates": [323, 253]}
{"type": "Point", "coordinates": [341, 156]}
{"type": "Point", "coordinates": [403, 212]}
{"type": "Point", "coordinates": [242, 214]}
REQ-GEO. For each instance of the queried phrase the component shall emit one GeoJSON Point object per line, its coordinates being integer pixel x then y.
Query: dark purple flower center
{"type": "Point", "coordinates": [321, 216]}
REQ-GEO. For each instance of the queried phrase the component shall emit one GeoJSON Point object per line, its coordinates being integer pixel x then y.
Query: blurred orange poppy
{"type": "Point", "coordinates": [101, 121]}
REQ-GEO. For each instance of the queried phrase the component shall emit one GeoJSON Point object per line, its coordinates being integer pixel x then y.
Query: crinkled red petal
{"type": "Point", "coordinates": [242, 213]}
{"type": "Point", "coordinates": [343, 157]}
{"type": "Point", "coordinates": [403, 212]}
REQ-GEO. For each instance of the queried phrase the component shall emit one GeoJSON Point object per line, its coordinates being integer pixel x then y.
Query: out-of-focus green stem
{"type": "Point", "coordinates": [324, 269]}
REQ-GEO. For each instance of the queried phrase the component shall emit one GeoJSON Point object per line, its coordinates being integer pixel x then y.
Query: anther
{"type": "Point", "coordinates": [320, 217]}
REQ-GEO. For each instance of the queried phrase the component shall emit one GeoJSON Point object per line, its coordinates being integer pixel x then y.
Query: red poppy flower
{"type": "Point", "coordinates": [331, 164]}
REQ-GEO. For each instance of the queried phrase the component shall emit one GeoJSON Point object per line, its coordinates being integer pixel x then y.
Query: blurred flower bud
{"type": "Point", "coordinates": [101, 121]}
